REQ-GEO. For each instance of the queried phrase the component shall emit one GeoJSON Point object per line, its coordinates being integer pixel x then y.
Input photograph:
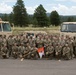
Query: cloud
{"type": "Point", "coordinates": [30, 9]}
{"type": "Point", "coordinates": [63, 10]}
{"type": "Point", "coordinates": [73, 0]}
{"type": "Point", "coordinates": [52, 4]}
{"type": "Point", "coordinates": [4, 8]}
{"type": "Point", "coordinates": [67, 0]}
{"type": "Point", "coordinates": [61, 0]}
{"type": "Point", "coordinates": [4, 1]}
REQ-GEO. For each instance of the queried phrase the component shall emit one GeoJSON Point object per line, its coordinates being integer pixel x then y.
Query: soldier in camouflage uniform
{"type": "Point", "coordinates": [58, 50]}
{"type": "Point", "coordinates": [31, 41]}
{"type": "Point", "coordinates": [10, 42]}
{"type": "Point", "coordinates": [1, 41]}
{"type": "Point", "coordinates": [27, 50]}
{"type": "Point", "coordinates": [17, 39]}
{"type": "Point", "coordinates": [47, 42]}
{"type": "Point", "coordinates": [39, 42]}
{"type": "Point", "coordinates": [33, 52]}
{"type": "Point", "coordinates": [74, 46]}
{"type": "Point", "coordinates": [4, 40]}
{"type": "Point", "coordinates": [0, 52]}
{"type": "Point", "coordinates": [21, 50]}
{"type": "Point", "coordinates": [15, 51]}
{"type": "Point", "coordinates": [49, 51]}
{"type": "Point", "coordinates": [70, 43]}
{"type": "Point", "coordinates": [4, 51]}
{"type": "Point", "coordinates": [26, 40]}
{"type": "Point", "coordinates": [66, 52]}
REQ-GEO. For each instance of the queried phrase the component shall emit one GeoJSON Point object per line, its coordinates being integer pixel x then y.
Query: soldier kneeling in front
{"type": "Point", "coordinates": [4, 51]}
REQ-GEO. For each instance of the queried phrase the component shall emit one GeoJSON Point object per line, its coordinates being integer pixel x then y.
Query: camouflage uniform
{"type": "Point", "coordinates": [39, 43]}
{"type": "Point", "coordinates": [10, 42]}
{"type": "Point", "coordinates": [15, 51]}
{"type": "Point", "coordinates": [74, 46]}
{"type": "Point", "coordinates": [46, 43]}
{"type": "Point", "coordinates": [4, 51]}
{"type": "Point", "coordinates": [27, 51]}
{"type": "Point", "coordinates": [66, 52]}
{"type": "Point", "coordinates": [58, 51]}
{"type": "Point", "coordinates": [1, 41]}
{"type": "Point", "coordinates": [17, 40]}
{"type": "Point", "coordinates": [33, 53]}
{"type": "Point", "coordinates": [0, 53]}
{"type": "Point", "coordinates": [71, 47]}
{"type": "Point", "coordinates": [31, 41]}
{"type": "Point", "coordinates": [49, 51]}
{"type": "Point", "coordinates": [21, 50]}
{"type": "Point", "coordinates": [4, 41]}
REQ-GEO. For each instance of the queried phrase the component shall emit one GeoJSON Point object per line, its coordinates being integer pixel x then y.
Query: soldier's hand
{"type": "Point", "coordinates": [13, 52]}
{"type": "Point", "coordinates": [56, 53]}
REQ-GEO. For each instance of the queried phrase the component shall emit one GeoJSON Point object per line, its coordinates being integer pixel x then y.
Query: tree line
{"type": "Point", "coordinates": [20, 17]}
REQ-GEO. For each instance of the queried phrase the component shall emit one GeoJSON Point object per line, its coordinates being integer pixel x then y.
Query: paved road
{"type": "Point", "coordinates": [37, 67]}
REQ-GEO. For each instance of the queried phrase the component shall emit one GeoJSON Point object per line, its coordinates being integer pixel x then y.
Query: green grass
{"type": "Point", "coordinates": [35, 28]}
{"type": "Point", "coordinates": [17, 30]}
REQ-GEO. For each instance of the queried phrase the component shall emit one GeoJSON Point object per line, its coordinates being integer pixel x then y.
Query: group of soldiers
{"type": "Point", "coordinates": [26, 46]}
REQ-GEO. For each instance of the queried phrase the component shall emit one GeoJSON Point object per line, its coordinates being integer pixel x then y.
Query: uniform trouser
{"type": "Point", "coordinates": [58, 56]}
{"type": "Point", "coordinates": [33, 55]}
{"type": "Point", "coordinates": [15, 55]}
{"type": "Point", "coordinates": [74, 50]}
{"type": "Point", "coordinates": [67, 56]}
{"type": "Point", "coordinates": [10, 50]}
{"type": "Point", "coordinates": [71, 52]}
{"type": "Point", "coordinates": [50, 56]}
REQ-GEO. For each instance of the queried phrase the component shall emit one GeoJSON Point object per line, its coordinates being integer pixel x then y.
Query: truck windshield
{"type": "Point", "coordinates": [68, 28]}
{"type": "Point", "coordinates": [6, 27]}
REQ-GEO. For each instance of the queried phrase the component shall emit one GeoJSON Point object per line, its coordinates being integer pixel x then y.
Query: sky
{"type": "Point", "coordinates": [63, 7]}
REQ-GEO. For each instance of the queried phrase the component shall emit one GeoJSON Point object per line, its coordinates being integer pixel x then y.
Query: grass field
{"type": "Point", "coordinates": [51, 29]}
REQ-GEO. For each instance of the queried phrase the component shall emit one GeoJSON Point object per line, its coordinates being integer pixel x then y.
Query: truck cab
{"type": "Point", "coordinates": [5, 28]}
{"type": "Point", "coordinates": [68, 28]}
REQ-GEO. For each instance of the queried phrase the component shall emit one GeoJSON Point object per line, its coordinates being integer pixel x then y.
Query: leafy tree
{"type": "Point", "coordinates": [35, 22]}
{"type": "Point", "coordinates": [5, 17]}
{"type": "Point", "coordinates": [30, 18]}
{"type": "Point", "coordinates": [40, 16]}
{"type": "Point", "coordinates": [54, 18]}
{"type": "Point", "coordinates": [11, 18]}
{"type": "Point", "coordinates": [20, 14]}
{"type": "Point", "coordinates": [70, 19]}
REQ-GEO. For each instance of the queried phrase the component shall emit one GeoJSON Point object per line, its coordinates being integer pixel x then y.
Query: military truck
{"type": "Point", "coordinates": [5, 28]}
{"type": "Point", "coordinates": [68, 28]}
